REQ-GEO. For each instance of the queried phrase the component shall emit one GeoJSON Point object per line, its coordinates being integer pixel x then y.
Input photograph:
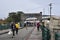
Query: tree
{"type": "Point", "coordinates": [10, 18]}
{"type": "Point", "coordinates": [19, 14]}
{"type": "Point", "coordinates": [15, 17]}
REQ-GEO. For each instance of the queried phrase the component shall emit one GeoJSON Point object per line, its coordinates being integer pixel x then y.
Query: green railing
{"type": "Point", "coordinates": [4, 26]}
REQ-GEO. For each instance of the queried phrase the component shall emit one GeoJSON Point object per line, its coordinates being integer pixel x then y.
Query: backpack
{"type": "Point", "coordinates": [17, 25]}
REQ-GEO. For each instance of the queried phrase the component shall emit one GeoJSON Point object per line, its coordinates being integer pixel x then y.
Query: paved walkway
{"type": "Point", "coordinates": [35, 35]}
{"type": "Point", "coordinates": [6, 31]}
{"type": "Point", "coordinates": [22, 34]}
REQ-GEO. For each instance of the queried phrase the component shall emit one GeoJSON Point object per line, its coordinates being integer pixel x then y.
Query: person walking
{"type": "Point", "coordinates": [38, 25]}
{"type": "Point", "coordinates": [17, 27]}
{"type": "Point", "coordinates": [13, 28]}
{"type": "Point", "coordinates": [25, 25]}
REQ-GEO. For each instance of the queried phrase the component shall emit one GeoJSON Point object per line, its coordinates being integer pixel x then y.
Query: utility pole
{"type": "Point", "coordinates": [51, 22]}
{"type": "Point", "coordinates": [50, 9]}
{"type": "Point", "coordinates": [50, 5]}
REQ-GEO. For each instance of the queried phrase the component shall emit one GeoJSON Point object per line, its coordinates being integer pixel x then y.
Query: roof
{"type": "Point", "coordinates": [31, 18]}
{"type": "Point", "coordinates": [53, 16]}
{"type": "Point", "coordinates": [32, 21]}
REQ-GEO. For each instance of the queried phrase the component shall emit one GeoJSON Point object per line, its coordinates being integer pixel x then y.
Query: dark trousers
{"type": "Point", "coordinates": [38, 28]}
{"type": "Point", "coordinates": [13, 31]}
{"type": "Point", "coordinates": [16, 30]}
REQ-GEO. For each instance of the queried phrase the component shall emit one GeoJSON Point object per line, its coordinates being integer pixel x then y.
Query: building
{"type": "Point", "coordinates": [24, 16]}
{"type": "Point", "coordinates": [28, 15]}
{"type": "Point", "coordinates": [54, 23]}
{"type": "Point", "coordinates": [12, 13]}
{"type": "Point", "coordinates": [31, 15]}
{"type": "Point", "coordinates": [37, 15]}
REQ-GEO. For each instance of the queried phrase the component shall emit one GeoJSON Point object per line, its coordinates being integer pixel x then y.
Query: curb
{"type": "Point", "coordinates": [8, 31]}
{"type": "Point", "coordinates": [4, 33]}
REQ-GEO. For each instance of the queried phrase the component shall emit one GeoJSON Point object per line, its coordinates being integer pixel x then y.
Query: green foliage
{"type": "Point", "coordinates": [9, 19]}
{"type": "Point", "coordinates": [15, 17]}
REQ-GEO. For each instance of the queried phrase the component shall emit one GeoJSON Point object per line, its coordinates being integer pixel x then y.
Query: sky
{"type": "Point", "coordinates": [29, 6]}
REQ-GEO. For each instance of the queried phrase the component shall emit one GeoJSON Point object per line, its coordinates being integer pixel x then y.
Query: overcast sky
{"type": "Point", "coordinates": [29, 6]}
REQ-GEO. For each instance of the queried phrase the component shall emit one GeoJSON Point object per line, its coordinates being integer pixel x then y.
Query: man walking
{"type": "Point", "coordinates": [13, 28]}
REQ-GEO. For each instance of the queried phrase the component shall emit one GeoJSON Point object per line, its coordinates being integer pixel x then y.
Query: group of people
{"type": "Point", "coordinates": [45, 30]}
{"type": "Point", "coordinates": [46, 35]}
{"type": "Point", "coordinates": [14, 27]}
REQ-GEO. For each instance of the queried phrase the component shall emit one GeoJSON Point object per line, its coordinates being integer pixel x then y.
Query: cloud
{"type": "Point", "coordinates": [7, 6]}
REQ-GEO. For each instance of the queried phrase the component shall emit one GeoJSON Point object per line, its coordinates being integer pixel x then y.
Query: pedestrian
{"type": "Point", "coordinates": [45, 32]}
{"type": "Point", "coordinates": [25, 25]}
{"type": "Point", "coordinates": [38, 25]}
{"type": "Point", "coordinates": [17, 27]}
{"type": "Point", "coordinates": [13, 28]}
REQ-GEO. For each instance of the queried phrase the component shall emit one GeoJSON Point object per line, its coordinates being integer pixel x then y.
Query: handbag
{"type": "Point", "coordinates": [10, 32]}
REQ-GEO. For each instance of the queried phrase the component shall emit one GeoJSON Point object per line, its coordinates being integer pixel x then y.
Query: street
{"type": "Point", "coordinates": [21, 35]}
